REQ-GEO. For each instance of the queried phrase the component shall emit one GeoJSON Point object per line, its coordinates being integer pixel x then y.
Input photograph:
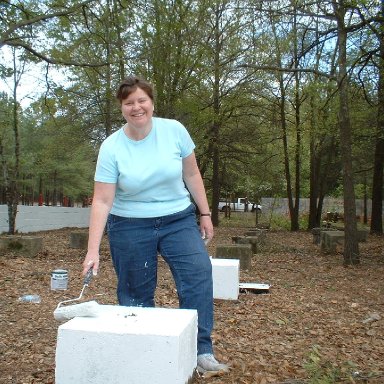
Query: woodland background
{"type": "Point", "coordinates": [283, 98]}
{"type": "Point", "coordinates": [320, 323]}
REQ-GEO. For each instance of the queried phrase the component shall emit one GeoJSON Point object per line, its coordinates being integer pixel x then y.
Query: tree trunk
{"type": "Point", "coordinates": [293, 208]}
{"type": "Point", "coordinates": [313, 220]}
{"type": "Point", "coordinates": [322, 152]}
{"type": "Point", "coordinates": [214, 136]}
{"type": "Point", "coordinates": [351, 245]}
{"type": "Point", "coordinates": [295, 217]}
{"type": "Point", "coordinates": [215, 180]}
{"type": "Point", "coordinates": [13, 193]}
{"type": "Point", "coordinates": [54, 193]}
{"type": "Point", "coordinates": [377, 186]}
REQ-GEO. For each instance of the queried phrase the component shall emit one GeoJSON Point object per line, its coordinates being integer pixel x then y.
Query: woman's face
{"type": "Point", "coordinates": [137, 109]}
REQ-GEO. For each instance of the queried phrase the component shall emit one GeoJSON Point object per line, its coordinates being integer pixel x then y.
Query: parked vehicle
{"type": "Point", "coordinates": [239, 205]}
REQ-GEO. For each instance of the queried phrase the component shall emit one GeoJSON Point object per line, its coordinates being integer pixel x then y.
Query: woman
{"type": "Point", "coordinates": [140, 195]}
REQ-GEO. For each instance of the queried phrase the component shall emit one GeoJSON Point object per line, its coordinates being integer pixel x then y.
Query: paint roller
{"type": "Point", "coordinates": [86, 309]}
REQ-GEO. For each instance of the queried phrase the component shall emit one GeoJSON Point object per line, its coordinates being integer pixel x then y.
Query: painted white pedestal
{"type": "Point", "coordinates": [128, 345]}
{"type": "Point", "coordinates": [225, 274]}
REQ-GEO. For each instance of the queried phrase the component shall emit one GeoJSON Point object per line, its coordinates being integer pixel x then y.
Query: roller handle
{"type": "Point", "coordinates": [88, 276]}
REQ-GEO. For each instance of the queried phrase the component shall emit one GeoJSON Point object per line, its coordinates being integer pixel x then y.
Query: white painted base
{"type": "Point", "coordinates": [225, 274]}
{"type": "Point", "coordinates": [128, 345]}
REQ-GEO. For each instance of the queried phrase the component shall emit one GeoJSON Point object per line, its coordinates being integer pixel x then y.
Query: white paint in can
{"type": "Point", "coordinates": [59, 279]}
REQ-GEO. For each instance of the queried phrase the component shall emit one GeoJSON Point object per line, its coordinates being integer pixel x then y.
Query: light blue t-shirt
{"type": "Point", "coordinates": [148, 172]}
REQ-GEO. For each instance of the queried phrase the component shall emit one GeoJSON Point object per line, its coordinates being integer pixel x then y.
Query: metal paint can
{"type": "Point", "coordinates": [59, 279]}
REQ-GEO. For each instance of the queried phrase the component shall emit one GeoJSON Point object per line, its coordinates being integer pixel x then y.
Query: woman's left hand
{"type": "Point", "coordinates": [206, 228]}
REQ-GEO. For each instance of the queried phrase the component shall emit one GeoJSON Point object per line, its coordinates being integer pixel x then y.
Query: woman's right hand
{"type": "Point", "coordinates": [91, 260]}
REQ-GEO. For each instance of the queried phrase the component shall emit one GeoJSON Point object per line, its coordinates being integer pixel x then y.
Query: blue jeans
{"type": "Point", "coordinates": [135, 244]}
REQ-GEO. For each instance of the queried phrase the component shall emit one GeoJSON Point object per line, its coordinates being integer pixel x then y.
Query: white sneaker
{"type": "Point", "coordinates": [207, 363]}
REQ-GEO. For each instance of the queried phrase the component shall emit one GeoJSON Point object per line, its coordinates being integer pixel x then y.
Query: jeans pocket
{"type": "Point", "coordinates": [114, 220]}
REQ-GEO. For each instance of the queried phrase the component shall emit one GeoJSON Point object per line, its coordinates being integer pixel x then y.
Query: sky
{"type": "Point", "coordinates": [32, 83]}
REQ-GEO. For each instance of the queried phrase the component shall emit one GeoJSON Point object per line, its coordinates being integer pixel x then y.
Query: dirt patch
{"type": "Point", "coordinates": [319, 319]}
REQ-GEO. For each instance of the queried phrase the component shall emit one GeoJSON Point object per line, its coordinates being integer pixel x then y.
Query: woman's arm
{"type": "Point", "coordinates": [103, 196]}
{"type": "Point", "coordinates": [195, 185]}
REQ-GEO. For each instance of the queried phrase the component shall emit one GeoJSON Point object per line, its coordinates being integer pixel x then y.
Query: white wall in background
{"type": "Point", "coordinates": [34, 218]}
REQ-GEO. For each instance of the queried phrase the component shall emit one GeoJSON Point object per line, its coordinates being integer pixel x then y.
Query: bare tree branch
{"type": "Point", "coordinates": [288, 70]}
{"type": "Point", "coordinates": [50, 60]}
{"type": "Point", "coordinates": [6, 38]}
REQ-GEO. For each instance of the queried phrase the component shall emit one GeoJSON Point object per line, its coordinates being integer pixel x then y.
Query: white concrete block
{"type": "Point", "coordinates": [225, 274]}
{"type": "Point", "coordinates": [128, 345]}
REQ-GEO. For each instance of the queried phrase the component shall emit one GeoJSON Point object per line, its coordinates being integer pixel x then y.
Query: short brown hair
{"type": "Point", "coordinates": [130, 84]}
